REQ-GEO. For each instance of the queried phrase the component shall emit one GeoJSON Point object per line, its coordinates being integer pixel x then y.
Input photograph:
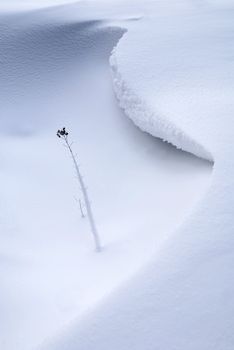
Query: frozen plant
{"type": "Point", "coordinates": [64, 135]}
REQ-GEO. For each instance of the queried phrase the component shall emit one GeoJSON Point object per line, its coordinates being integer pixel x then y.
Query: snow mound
{"type": "Point", "coordinates": [148, 119]}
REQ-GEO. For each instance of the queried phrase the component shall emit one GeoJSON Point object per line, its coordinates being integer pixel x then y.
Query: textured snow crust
{"type": "Point", "coordinates": [147, 119]}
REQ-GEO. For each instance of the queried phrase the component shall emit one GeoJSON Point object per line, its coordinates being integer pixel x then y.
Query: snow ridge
{"type": "Point", "coordinates": [148, 120]}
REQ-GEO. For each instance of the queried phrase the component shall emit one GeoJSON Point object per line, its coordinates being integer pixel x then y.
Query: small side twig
{"type": "Point", "coordinates": [81, 207]}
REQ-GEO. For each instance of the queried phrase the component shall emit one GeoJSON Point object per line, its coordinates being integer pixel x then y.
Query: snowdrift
{"type": "Point", "coordinates": [149, 120]}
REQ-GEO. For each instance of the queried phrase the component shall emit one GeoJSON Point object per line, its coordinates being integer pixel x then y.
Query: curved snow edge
{"type": "Point", "coordinates": [149, 121]}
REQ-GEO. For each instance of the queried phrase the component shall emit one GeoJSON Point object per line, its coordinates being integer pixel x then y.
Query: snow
{"type": "Point", "coordinates": [149, 120]}
{"type": "Point", "coordinates": [164, 277]}
{"type": "Point", "coordinates": [28, 5]}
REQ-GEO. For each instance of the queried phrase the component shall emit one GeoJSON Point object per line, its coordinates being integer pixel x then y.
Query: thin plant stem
{"type": "Point", "coordinates": [62, 133]}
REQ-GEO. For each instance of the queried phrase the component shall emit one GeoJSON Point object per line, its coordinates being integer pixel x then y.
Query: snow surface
{"type": "Point", "coordinates": [164, 278]}
{"type": "Point", "coordinates": [27, 5]}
